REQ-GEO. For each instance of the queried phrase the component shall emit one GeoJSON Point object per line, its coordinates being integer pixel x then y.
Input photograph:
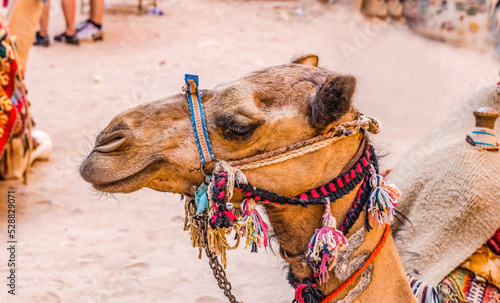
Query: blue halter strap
{"type": "Point", "coordinates": [198, 119]}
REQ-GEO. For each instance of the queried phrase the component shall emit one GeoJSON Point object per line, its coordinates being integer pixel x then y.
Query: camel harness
{"type": "Point", "coordinates": [210, 217]}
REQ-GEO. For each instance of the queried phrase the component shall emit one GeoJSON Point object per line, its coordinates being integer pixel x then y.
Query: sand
{"type": "Point", "coordinates": [77, 246]}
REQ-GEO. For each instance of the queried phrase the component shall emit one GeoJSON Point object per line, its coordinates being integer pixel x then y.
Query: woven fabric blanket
{"type": "Point", "coordinates": [13, 102]}
{"type": "Point", "coordinates": [450, 194]}
{"type": "Point", "coordinates": [485, 263]}
{"type": "Point", "coordinates": [462, 285]}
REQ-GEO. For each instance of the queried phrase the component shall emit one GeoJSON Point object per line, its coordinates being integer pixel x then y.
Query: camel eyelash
{"type": "Point", "coordinates": [240, 129]}
{"type": "Point", "coordinates": [237, 132]}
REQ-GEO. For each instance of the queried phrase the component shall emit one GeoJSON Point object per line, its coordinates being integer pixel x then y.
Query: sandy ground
{"type": "Point", "coordinates": [75, 246]}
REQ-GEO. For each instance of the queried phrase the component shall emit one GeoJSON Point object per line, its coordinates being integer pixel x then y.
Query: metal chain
{"type": "Point", "coordinates": [213, 261]}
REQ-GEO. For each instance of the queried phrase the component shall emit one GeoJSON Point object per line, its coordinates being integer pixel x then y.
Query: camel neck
{"type": "Point", "coordinates": [294, 225]}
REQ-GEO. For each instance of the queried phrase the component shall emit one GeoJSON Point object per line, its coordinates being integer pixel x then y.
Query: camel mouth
{"type": "Point", "coordinates": [112, 145]}
{"type": "Point", "coordinates": [126, 181]}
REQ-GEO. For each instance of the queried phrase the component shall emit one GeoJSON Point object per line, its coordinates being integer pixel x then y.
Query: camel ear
{"type": "Point", "coordinates": [311, 60]}
{"type": "Point", "coordinates": [205, 93]}
{"type": "Point", "coordinates": [333, 100]}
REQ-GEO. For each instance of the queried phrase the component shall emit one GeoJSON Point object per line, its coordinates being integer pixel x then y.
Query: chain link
{"type": "Point", "coordinates": [213, 261]}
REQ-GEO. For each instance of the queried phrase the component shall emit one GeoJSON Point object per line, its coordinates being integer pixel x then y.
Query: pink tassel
{"type": "Point", "coordinates": [324, 246]}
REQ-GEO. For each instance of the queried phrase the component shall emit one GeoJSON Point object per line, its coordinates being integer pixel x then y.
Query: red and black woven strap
{"type": "Point", "coordinates": [334, 190]}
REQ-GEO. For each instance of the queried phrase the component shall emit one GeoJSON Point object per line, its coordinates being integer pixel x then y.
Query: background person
{"type": "Point", "coordinates": [69, 10]}
{"type": "Point", "coordinates": [91, 29]}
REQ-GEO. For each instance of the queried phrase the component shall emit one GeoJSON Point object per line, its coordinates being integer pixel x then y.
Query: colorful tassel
{"type": "Point", "coordinates": [324, 246]}
{"type": "Point", "coordinates": [251, 226]}
{"type": "Point", "coordinates": [306, 292]}
{"type": "Point", "coordinates": [218, 243]}
{"type": "Point", "coordinates": [382, 200]}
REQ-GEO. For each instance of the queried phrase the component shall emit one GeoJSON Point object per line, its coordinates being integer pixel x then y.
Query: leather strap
{"type": "Point", "coordinates": [198, 118]}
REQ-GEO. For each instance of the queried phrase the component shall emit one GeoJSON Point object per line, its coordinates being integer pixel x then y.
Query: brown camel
{"type": "Point", "coordinates": [153, 146]}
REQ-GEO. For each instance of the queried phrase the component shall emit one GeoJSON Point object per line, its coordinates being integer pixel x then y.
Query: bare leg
{"type": "Point", "coordinates": [69, 9]}
{"type": "Point", "coordinates": [44, 20]}
{"type": "Point", "coordinates": [96, 11]}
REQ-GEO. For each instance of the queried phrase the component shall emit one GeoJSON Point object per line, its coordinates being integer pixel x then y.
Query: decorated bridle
{"type": "Point", "coordinates": [210, 216]}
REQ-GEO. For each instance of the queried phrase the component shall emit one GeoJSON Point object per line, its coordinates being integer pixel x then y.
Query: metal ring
{"type": "Point", "coordinates": [201, 169]}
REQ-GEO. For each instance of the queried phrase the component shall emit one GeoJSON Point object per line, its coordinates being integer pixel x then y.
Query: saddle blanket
{"type": "Point", "coordinates": [464, 286]}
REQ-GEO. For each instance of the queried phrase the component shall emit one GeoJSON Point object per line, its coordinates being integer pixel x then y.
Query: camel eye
{"type": "Point", "coordinates": [235, 131]}
{"type": "Point", "coordinates": [240, 130]}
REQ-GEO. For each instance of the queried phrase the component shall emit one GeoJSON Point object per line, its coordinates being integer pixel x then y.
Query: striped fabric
{"type": "Point", "coordinates": [198, 118]}
{"type": "Point", "coordinates": [423, 293]}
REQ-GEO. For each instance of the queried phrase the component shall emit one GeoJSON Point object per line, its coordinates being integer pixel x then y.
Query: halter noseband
{"type": "Point", "coordinates": [198, 119]}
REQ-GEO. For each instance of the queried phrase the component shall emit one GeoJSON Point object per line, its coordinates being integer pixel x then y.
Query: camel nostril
{"type": "Point", "coordinates": [110, 145]}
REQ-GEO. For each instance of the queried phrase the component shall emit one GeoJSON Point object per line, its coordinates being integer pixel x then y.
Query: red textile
{"type": "Point", "coordinates": [494, 242]}
{"type": "Point", "coordinates": [13, 100]}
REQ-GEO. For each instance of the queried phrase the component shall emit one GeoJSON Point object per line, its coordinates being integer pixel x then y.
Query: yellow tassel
{"type": "Point", "coordinates": [218, 243]}
{"type": "Point", "coordinates": [192, 228]}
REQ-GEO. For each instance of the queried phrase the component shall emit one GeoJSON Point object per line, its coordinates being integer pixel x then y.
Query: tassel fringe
{"type": "Point", "coordinates": [251, 226]}
{"type": "Point", "coordinates": [324, 246]}
{"type": "Point", "coordinates": [218, 243]}
{"type": "Point", "coordinates": [382, 200]}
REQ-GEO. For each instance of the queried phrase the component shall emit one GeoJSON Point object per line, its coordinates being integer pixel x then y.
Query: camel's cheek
{"type": "Point", "coordinates": [183, 187]}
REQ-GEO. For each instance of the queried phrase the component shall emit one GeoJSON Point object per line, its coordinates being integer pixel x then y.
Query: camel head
{"type": "Point", "coordinates": [153, 145]}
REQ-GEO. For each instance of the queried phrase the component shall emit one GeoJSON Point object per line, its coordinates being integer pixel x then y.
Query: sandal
{"type": "Point", "coordinates": [68, 39]}
{"type": "Point", "coordinates": [41, 40]}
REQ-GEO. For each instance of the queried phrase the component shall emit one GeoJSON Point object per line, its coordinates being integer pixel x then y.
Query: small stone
{"type": "Point", "coordinates": [300, 12]}
{"type": "Point", "coordinates": [97, 78]}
